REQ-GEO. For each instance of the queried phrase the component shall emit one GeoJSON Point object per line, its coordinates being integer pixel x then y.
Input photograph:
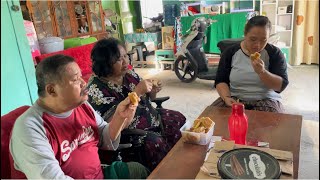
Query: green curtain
{"type": "Point", "coordinates": [227, 26]}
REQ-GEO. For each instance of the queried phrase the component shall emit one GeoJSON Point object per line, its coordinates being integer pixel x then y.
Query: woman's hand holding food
{"type": "Point", "coordinates": [257, 63]}
{"type": "Point", "coordinates": [157, 86]}
{"type": "Point", "coordinates": [143, 87]}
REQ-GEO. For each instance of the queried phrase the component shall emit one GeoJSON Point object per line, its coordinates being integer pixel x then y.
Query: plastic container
{"type": "Point", "coordinates": [195, 138]}
{"type": "Point", "coordinates": [51, 44]}
{"type": "Point", "coordinates": [247, 163]}
{"type": "Point", "coordinates": [238, 124]}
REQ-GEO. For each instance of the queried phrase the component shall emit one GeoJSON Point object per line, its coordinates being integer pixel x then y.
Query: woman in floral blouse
{"type": "Point", "coordinates": [111, 83]}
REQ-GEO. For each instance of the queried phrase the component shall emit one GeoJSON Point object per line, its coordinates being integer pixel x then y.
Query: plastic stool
{"type": "Point", "coordinates": [139, 48]}
{"type": "Point", "coordinates": [164, 57]}
{"type": "Point", "coordinates": [139, 51]}
{"type": "Point", "coordinates": [130, 54]}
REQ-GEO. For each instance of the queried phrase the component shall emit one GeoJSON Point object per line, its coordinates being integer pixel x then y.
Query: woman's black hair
{"type": "Point", "coordinates": [260, 21]}
{"type": "Point", "coordinates": [104, 54]}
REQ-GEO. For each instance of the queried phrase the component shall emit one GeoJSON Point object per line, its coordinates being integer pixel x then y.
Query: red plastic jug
{"type": "Point", "coordinates": [238, 124]}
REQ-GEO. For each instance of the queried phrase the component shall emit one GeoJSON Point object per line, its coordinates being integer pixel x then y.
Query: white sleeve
{"type": "Point", "coordinates": [32, 152]}
{"type": "Point", "coordinates": [105, 141]}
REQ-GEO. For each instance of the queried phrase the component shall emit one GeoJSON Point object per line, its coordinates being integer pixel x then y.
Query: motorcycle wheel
{"type": "Point", "coordinates": [184, 70]}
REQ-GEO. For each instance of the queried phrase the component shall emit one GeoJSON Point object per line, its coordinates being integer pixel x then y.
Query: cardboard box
{"type": "Point", "coordinates": [167, 37]}
{"type": "Point", "coordinates": [282, 10]}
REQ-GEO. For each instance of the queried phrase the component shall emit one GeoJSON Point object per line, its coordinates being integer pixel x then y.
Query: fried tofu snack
{"type": "Point", "coordinates": [155, 82]}
{"type": "Point", "coordinates": [133, 98]}
{"type": "Point", "coordinates": [201, 125]}
{"type": "Point", "coordinates": [255, 56]}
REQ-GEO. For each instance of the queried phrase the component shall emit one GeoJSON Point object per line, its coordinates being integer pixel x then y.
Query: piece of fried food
{"type": "Point", "coordinates": [133, 98]}
{"type": "Point", "coordinates": [196, 123]}
{"type": "Point", "coordinates": [155, 82]}
{"type": "Point", "coordinates": [201, 125]}
{"type": "Point", "coordinates": [255, 56]}
{"type": "Point", "coordinates": [200, 129]}
{"type": "Point", "coordinates": [192, 138]}
{"type": "Point", "coordinates": [207, 122]}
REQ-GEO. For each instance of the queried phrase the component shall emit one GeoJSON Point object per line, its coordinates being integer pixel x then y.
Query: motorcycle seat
{"type": "Point", "coordinates": [222, 45]}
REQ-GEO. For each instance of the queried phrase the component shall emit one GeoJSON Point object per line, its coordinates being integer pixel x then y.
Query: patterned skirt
{"type": "Point", "coordinates": [158, 144]}
{"type": "Point", "coordinates": [268, 105]}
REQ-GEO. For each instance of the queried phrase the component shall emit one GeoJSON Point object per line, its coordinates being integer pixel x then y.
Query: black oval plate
{"type": "Point", "coordinates": [247, 163]}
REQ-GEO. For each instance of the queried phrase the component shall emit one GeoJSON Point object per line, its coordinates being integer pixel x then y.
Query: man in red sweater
{"type": "Point", "coordinates": [59, 136]}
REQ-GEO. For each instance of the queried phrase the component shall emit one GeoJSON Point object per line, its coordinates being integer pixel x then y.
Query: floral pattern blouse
{"type": "Point", "coordinates": [104, 96]}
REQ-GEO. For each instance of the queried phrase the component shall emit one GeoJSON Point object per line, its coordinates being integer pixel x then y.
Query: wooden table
{"type": "Point", "coordinates": [282, 131]}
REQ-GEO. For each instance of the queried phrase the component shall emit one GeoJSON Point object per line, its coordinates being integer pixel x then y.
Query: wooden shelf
{"type": "Point", "coordinates": [81, 17]}
{"type": "Point", "coordinates": [83, 34]}
{"type": "Point", "coordinates": [71, 22]}
{"type": "Point", "coordinates": [284, 14]}
{"type": "Point", "coordinates": [39, 22]}
{"type": "Point", "coordinates": [284, 30]}
{"type": "Point", "coordinates": [268, 1]}
{"type": "Point", "coordinates": [282, 22]}
{"type": "Point", "coordinates": [283, 46]}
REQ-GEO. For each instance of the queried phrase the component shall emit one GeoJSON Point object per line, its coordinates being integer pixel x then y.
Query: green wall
{"type": "Point", "coordinates": [242, 4]}
{"type": "Point", "coordinates": [135, 10]}
{"type": "Point", "coordinates": [114, 5]}
{"type": "Point", "coordinates": [18, 82]}
{"type": "Point", "coordinates": [109, 4]}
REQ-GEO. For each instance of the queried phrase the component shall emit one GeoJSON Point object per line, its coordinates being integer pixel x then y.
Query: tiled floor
{"type": "Point", "coordinates": [302, 94]}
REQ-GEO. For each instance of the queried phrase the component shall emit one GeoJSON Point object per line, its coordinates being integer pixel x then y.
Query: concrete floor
{"type": "Point", "coordinates": [300, 97]}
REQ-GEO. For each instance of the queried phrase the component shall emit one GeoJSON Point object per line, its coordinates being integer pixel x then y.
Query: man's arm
{"type": "Point", "coordinates": [105, 141]}
{"type": "Point", "coordinates": [110, 132]}
{"type": "Point", "coordinates": [32, 153]}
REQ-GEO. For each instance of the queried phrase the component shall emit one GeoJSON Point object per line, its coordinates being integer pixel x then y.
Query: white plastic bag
{"type": "Point", "coordinates": [32, 38]}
